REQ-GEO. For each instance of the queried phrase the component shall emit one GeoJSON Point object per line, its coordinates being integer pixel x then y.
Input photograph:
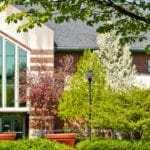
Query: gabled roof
{"type": "Point", "coordinates": [142, 44]}
{"type": "Point", "coordinates": [77, 35]}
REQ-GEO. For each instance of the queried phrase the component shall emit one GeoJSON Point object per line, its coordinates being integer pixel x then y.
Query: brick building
{"type": "Point", "coordinates": [48, 43]}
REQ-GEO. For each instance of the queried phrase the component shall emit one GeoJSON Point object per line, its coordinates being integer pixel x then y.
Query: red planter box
{"type": "Point", "coordinates": [7, 136]}
{"type": "Point", "coordinates": [65, 138]}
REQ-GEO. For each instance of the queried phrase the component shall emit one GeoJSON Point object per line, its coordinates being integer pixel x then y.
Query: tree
{"type": "Point", "coordinates": [137, 112]}
{"type": "Point", "coordinates": [132, 19]}
{"type": "Point", "coordinates": [125, 112]}
{"type": "Point", "coordinates": [120, 71]}
{"type": "Point", "coordinates": [43, 90]}
{"type": "Point", "coordinates": [129, 113]}
{"type": "Point", "coordinates": [74, 104]}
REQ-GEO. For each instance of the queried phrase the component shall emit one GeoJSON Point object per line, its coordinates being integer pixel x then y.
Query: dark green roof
{"type": "Point", "coordinates": [74, 49]}
{"type": "Point", "coordinates": [79, 49]}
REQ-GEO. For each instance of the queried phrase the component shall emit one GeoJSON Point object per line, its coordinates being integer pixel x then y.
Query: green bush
{"type": "Point", "coordinates": [32, 144]}
{"type": "Point", "coordinates": [113, 145]}
{"type": "Point", "coordinates": [43, 144]}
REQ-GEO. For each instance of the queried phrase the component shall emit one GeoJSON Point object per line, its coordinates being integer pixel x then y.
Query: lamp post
{"type": "Point", "coordinates": [89, 76]}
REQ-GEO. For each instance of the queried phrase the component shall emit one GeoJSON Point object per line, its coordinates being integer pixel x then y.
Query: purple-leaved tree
{"type": "Point", "coordinates": [42, 92]}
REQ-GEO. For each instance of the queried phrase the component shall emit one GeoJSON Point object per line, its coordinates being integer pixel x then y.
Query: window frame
{"type": "Point", "coordinates": [18, 47]}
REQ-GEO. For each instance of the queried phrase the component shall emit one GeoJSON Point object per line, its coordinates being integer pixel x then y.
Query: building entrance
{"type": "Point", "coordinates": [14, 123]}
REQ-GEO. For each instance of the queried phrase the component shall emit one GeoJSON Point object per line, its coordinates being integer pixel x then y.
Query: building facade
{"type": "Point", "coordinates": [19, 51]}
{"type": "Point", "coordinates": [44, 46]}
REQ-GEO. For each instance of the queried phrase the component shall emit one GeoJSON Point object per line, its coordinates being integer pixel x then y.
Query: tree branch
{"type": "Point", "coordinates": [124, 11]}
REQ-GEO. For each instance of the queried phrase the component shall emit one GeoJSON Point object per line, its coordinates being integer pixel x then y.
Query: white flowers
{"type": "Point", "coordinates": [117, 60]}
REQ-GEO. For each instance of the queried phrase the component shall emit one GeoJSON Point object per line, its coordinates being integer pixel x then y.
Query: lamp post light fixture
{"type": "Point", "coordinates": [89, 76]}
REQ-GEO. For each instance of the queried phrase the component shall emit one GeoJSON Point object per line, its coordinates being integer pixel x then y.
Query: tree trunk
{"type": "Point", "coordinates": [136, 135]}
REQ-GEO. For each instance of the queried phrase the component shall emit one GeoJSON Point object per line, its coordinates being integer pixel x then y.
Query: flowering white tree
{"type": "Point", "coordinates": [120, 72]}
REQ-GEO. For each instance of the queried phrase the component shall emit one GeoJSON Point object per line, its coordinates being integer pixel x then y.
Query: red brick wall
{"type": "Point", "coordinates": [42, 60]}
{"type": "Point", "coordinates": [141, 61]}
{"type": "Point", "coordinates": [58, 123]}
{"type": "Point", "coordinates": [59, 55]}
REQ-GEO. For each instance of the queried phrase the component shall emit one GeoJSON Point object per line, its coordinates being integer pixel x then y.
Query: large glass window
{"type": "Point", "coordinates": [22, 72]}
{"type": "Point", "coordinates": [13, 63]}
{"type": "Point", "coordinates": [10, 73]}
{"type": "Point", "coordinates": [1, 48]}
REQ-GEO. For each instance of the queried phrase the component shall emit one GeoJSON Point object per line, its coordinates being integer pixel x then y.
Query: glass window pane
{"type": "Point", "coordinates": [22, 73]}
{"type": "Point", "coordinates": [149, 63]}
{"type": "Point", "coordinates": [10, 95]}
{"type": "Point", "coordinates": [1, 49]}
{"type": "Point", "coordinates": [17, 123]}
{"type": "Point", "coordinates": [1, 68]}
{"type": "Point", "coordinates": [0, 96]}
{"type": "Point", "coordinates": [148, 66]}
{"type": "Point", "coordinates": [10, 49]}
{"type": "Point", "coordinates": [10, 73]}
{"type": "Point", "coordinates": [1, 45]}
{"type": "Point", "coordinates": [6, 125]}
{"type": "Point", "coordinates": [13, 123]}
{"type": "Point", "coordinates": [22, 60]}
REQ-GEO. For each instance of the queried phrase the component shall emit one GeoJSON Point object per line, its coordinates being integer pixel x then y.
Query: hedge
{"type": "Point", "coordinates": [43, 144]}
{"type": "Point", "coordinates": [32, 144]}
{"type": "Point", "coordinates": [113, 145]}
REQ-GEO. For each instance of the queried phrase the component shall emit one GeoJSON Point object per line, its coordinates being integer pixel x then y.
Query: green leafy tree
{"type": "Point", "coordinates": [74, 105]}
{"type": "Point", "coordinates": [132, 17]}
{"type": "Point", "coordinates": [117, 59]}
{"type": "Point", "coordinates": [126, 109]}
{"type": "Point", "coordinates": [127, 112]}
{"type": "Point", "coordinates": [137, 113]}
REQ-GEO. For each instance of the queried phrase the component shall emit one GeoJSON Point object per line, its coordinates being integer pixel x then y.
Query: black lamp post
{"type": "Point", "coordinates": [89, 76]}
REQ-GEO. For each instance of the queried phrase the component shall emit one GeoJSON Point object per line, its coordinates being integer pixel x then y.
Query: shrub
{"type": "Point", "coordinates": [113, 145]}
{"type": "Point", "coordinates": [32, 144]}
